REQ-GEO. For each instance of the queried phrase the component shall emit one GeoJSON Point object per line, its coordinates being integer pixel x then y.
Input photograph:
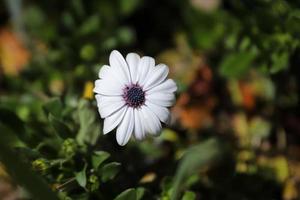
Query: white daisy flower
{"type": "Point", "coordinates": [133, 95]}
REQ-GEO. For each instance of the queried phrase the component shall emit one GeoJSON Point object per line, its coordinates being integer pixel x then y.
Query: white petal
{"type": "Point", "coordinates": [108, 87]}
{"type": "Point", "coordinates": [104, 71]}
{"type": "Point", "coordinates": [139, 130]}
{"type": "Point", "coordinates": [168, 86]}
{"type": "Point", "coordinates": [110, 73]}
{"type": "Point", "coordinates": [109, 104]}
{"type": "Point", "coordinates": [125, 129]}
{"type": "Point", "coordinates": [117, 61]}
{"type": "Point", "coordinates": [158, 75]}
{"type": "Point", "coordinates": [161, 99]}
{"type": "Point", "coordinates": [151, 122]}
{"type": "Point", "coordinates": [113, 120]}
{"type": "Point", "coordinates": [133, 62]}
{"type": "Point", "coordinates": [161, 112]}
{"type": "Point", "coordinates": [103, 100]}
{"type": "Point", "coordinates": [145, 64]}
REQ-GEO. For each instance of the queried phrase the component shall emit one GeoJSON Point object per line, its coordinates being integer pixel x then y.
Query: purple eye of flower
{"type": "Point", "coordinates": [134, 95]}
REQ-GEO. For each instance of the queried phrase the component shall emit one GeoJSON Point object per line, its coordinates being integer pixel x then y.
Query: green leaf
{"type": "Point", "coordinates": [129, 194]}
{"type": "Point", "coordinates": [128, 6]}
{"type": "Point", "coordinates": [68, 20]}
{"type": "Point", "coordinates": [188, 195]}
{"type": "Point", "coordinates": [89, 127]}
{"type": "Point", "coordinates": [78, 7]}
{"type": "Point", "coordinates": [237, 64]}
{"type": "Point", "coordinates": [53, 106]}
{"type": "Point", "coordinates": [295, 14]}
{"type": "Point", "coordinates": [195, 158]}
{"type": "Point", "coordinates": [279, 62]}
{"type": "Point", "coordinates": [90, 25]}
{"type": "Point", "coordinates": [109, 171]}
{"type": "Point", "coordinates": [22, 174]}
{"type": "Point", "coordinates": [140, 193]}
{"type": "Point", "coordinates": [99, 157]}
{"type": "Point", "coordinates": [34, 16]}
{"type": "Point", "coordinates": [125, 36]}
{"type": "Point", "coordinates": [61, 128]}
{"type": "Point", "coordinates": [81, 177]}
{"type": "Point", "coordinates": [88, 52]}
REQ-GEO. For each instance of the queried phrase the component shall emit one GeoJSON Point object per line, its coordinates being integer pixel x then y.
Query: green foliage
{"type": "Point", "coordinates": [109, 171]}
{"type": "Point", "coordinates": [11, 120]}
{"type": "Point", "coordinates": [89, 130]}
{"type": "Point", "coordinates": [54, 107]}
{"type": "Point", "coordinates": [81, 177]}
{"type": "Point", "coordinates": [195, 158]}
{"type": "Point", "coordinates": [127, 7]}
{"type": "Point", "coordinates": [98, 158]}
{"type": "Point", "coordinates": [188, 195]}
{"type": "Point", "coordinates": [61, 128]}
{"type": "Point", "coordinates": [130, 194]}
{"type": "Point", "coordinates": [87, 52]}
{"type": "Point", "coordinates": [237, 64]}
{"type": "Point", "coordinates": [91, 25]}
{"type": "Point", "coordinates": [23, 175]}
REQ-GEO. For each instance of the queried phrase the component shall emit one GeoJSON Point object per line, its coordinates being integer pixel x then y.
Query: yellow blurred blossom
{"type": "Point", "coordinates": [88, 90]}
{"type": "Point", "coordinates": [241, 167]}
{"type": "Point", "coordinates": [278, 164]}
{"type": "Point", "coordinates": [149, 177]}
{"type": "Point", "coordinates": [169, 135]}
{"type": "Point", "coordinates": [290, 191]}
{"type": "Point", "coordinates": [206, 5]}
{"type": "Point", "coordinates": [281, 168]}
{"type": "Point", "coordinates": [56, 86]}
{"type": "Point", "coordinates": [3, 173]}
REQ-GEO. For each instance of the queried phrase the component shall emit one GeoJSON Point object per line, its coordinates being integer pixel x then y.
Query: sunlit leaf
{"type": "Point", "coordinates": [128, 194]}
{"type": "Point", "coordinates": [188, 195]}
{"type": "Point", "coordinates": [140, 193]}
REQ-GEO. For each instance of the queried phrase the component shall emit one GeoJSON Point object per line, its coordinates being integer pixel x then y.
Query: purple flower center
{"type": "Point", "coordinates": [134, 95]}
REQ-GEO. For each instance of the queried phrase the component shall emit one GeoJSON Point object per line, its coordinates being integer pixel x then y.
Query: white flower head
{"type": "Point", "coordinates": [133, 95]}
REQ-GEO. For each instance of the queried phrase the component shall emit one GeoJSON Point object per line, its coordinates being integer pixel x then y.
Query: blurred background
{"type": "Point", "coordinates": [235, 131]}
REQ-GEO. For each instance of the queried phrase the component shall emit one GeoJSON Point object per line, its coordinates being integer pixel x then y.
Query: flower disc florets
{"type": "Point", "coordinates": [134, 95]}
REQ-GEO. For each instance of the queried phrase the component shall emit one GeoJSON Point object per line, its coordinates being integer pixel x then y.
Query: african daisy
{"type": "Point", "coordinates": [133, 95]}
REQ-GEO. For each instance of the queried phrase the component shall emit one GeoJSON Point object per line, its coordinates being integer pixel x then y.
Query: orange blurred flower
{"type": "Point", "coordinates": [13, 55]}
{"type": "Point", "coordinates": [193, 108]}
